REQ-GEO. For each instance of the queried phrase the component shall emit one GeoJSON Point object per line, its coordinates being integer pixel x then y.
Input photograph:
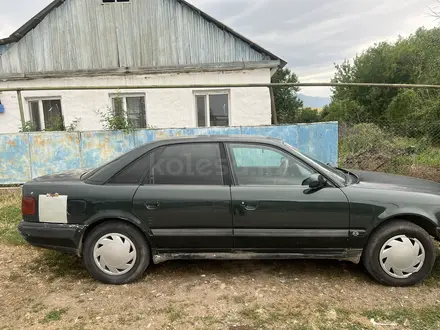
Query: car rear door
{"type": "Point", "coordinates": [273, 211]}
{"type": "Point", "coordinates": [185, 200]}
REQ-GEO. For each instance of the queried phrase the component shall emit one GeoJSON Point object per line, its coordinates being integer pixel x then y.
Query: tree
{"type": "Point", "coordinates": [308, 115]}
{"type": "Point", "coordinates": [435, 11]}
{"type": "Point", "coordinates": [412, 60]}
{"type": "Point", "coordinates": [286, 102]}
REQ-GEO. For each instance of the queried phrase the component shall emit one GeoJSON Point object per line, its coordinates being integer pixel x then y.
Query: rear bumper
{"type": "Point", "coordinates": [60, 237]}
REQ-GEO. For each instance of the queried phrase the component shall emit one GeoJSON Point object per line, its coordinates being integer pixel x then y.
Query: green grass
{"type": "Point", "coordinates": [54, 315]}
{"type": "Point", "coordinates": [10, 216]}
{"type": "Point", "coordinates": [58, 264]}
{"type": "Point", "coordinates": [418, 319]}
{"type": "Point", "coordinates": [429, 157]}
{"type": "Point", "coordinates": [174, 313]}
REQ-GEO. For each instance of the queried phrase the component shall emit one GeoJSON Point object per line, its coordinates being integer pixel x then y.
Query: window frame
{"type": "Point", "coordinates": [144, 174]}
{"type": "Point", "coordinates": [41, 110]}
{"type": "Point", "coordinates": [114, 1]}
{"type": "Point", "coordinates": [233, 163]}
{"type": "Point", "coordinates": [123, 96]}
{"type": "Point", "coordinates": [226, 170]}
{"type": "Point", "coordinates": [206, 94]}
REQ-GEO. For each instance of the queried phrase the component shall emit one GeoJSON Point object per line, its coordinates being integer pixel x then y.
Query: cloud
{"type": "Point", "coordinates": [311, 35]}
{"type": "Point", "coordinates": [13, 14]}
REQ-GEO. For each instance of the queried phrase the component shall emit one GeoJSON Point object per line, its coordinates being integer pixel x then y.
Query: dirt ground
{"type": "Point", "coordinates": [41, 289]}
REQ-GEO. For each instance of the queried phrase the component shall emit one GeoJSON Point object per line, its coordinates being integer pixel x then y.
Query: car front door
{"type": "Point", "coordinates": [274, 211]}
{"type": "Point", "coordinates": [185, 200]}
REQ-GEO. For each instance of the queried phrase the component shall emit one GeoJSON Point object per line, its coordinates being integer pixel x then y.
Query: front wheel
{"type": "Point", "coordinates": [116, 253]}
{"type": "Point", "coordinates": [400, 254]}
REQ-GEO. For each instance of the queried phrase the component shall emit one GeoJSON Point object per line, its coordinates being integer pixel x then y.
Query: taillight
{"type": "Point", "coordinates": [28, 206]}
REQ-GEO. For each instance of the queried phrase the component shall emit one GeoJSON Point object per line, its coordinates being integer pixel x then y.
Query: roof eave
{"type": "Point", "coordinates": [34, 21]}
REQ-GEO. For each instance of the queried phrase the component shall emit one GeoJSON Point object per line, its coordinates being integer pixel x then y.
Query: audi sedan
{"type": "Point", "coordinates": [232, 197]}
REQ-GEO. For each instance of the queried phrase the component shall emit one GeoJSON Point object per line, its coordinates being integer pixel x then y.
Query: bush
{"type": "Point", "coordinates": [308, 115]}
{"type": "Point", "coordinates": [369, 147]}
{"type": "Point", "coordinates": [29, 126]}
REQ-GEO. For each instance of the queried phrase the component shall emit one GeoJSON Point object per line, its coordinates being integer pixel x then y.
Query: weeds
{"type": "Point", "coordinates": [58, 265]}
{"type": "Point", "coordinates": [54, 315]}
{"type": "Point", "coordinates": [369, 147]}
{"type": "Point", "coordinates": [174, 314]}
{"type": "Point", "coordinates": [10, 216]}
{"type": "Point", "coordinates": [417, 319]}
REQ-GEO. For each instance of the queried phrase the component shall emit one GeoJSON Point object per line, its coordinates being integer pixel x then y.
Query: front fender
{"type": "Point", "coordinates": [408, 212]}
{"type": "Point", "coordinates": [427, 220]}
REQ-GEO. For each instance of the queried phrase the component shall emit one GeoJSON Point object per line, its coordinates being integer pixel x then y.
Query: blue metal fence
{"type": "Point", "coordinates": [25, 156]}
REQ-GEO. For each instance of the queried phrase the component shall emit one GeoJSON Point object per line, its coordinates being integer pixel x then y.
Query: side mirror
{"type": "Point", "coordinates": [316, 181]}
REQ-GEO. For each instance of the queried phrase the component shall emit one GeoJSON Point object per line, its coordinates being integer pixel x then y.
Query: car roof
{"type": "Point", "coordinates": [219, 138]}
{"type": "Point", "coordinates": [105, 172]}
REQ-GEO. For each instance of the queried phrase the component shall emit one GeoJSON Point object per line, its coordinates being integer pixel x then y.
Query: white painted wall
{"type": "Point", "coordinates": [164, 108]}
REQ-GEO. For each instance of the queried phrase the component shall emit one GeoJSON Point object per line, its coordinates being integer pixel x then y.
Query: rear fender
{"type": "Point", "coordinates": [106, 215]}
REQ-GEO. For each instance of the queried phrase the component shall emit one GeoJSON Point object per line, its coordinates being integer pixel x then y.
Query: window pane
{"type": "Point", "coordinates": [53, 118]}
{"type": "Point", "coordinates": [136, 111]}
{"type": "Point", "coordinates": [35, 114]}
{"type": "Point", "coordinates": [118, 106]}
{"type": "Point", "coordinates": [263, 165]}
{"type": "Point", "coordinates": [219, 110]}
{"type": "Point", "coordinates": [256, 157]}
{"type": "Point", "coordinates": [201, 110]}
{"type": "Point", "coordinates": [135, 171]}
{"type": "Point", "coordinates": [189, 164]}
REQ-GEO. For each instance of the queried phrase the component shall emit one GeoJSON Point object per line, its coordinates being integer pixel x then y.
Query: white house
{"type": "Point", "coordinates": [130, 43]}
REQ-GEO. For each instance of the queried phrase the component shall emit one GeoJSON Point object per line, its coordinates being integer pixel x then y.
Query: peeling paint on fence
{"type": "Point", "coordinates": [15, 161]}
{"type": "Point", "coordinates": [25, 156]}
{"type": "Point", "coordinates": [53, 152]}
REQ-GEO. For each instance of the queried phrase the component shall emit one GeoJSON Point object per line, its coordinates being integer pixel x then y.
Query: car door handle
{"type": "Point", "coordinates": [152, 205]}
{"type": "Point", "coordinates": [249, 206]}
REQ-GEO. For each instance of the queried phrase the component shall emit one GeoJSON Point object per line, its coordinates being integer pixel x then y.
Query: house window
{"type": "Point", "coordinates": [46, 114]}
{"type": "Point", "coordinates": [114, 1]}
{"type": "Point", "coordinates": [131, 105]}
{"type": "Point", "coordinates": [212, 108]}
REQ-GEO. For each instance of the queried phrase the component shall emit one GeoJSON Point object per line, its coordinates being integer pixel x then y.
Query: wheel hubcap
{"type": "Point", "coordinates": [402, 256]}
{"type": "Point", "coordinates": [114, 254]}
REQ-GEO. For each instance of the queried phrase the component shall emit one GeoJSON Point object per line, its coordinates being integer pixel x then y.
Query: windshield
{"type": "Point", "coordinates": [332, 172]}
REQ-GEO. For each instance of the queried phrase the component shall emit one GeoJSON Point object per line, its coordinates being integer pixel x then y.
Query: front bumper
{"type": "Point", "coordinates": [60, 237]}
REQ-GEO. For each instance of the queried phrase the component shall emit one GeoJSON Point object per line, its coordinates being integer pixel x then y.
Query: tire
{"type": "Point", "coordinates": [102, 243]}
{"type": "Point", "coordinates": [408, 240]}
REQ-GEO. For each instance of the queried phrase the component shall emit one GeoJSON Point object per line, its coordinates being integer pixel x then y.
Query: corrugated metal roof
{"type": "Point", "coordinates": [85, 34]}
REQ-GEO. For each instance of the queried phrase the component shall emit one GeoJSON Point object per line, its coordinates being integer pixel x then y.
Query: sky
{"type": "Point", "coordinates": [311, 35]}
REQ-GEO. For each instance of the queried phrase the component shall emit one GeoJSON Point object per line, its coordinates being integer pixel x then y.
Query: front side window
{"type": "Point", "coordinates": [334, 173]}
{"type": "Point", "coordinates": [212, 109]}
{"type": "Point", "coordinates": [265, 165]}
{"type": "Point", "coordinates": [46, 114]}
{"type": "Point", "coordinates": [132, 106]}
{"type": "Point", "coordinates": [188, 164]}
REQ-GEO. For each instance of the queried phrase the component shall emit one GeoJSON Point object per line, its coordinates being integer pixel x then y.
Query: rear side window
{"type": "Point", "coordinates": [188, 164]}
{"type": "Point", "coordinates": [134, 172]}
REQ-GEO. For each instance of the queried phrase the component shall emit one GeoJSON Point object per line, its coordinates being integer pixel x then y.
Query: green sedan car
{"type": "Point", "coordinates": [233, 197]}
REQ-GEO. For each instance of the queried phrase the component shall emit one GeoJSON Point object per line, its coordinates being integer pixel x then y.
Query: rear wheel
{"type": "Point", "coordinates": [116, 253]}
{"type": "Point", "coordinates": [400, 254]}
